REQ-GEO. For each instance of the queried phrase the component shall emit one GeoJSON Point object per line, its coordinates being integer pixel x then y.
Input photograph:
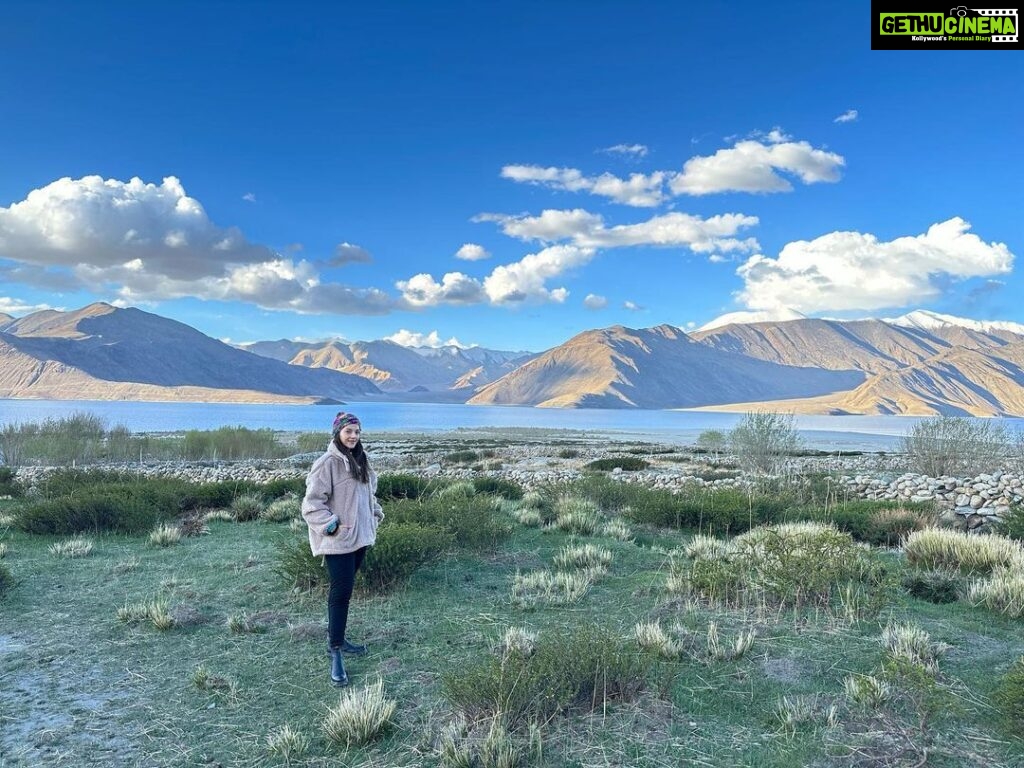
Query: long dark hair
{"type": "Point", "coordinates": [358, 462]}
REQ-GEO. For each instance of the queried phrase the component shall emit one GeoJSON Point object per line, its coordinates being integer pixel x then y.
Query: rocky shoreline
{"type": "Point", "coordinates": [970, 503]}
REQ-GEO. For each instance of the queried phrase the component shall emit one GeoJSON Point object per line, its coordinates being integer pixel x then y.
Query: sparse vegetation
{"type": "Point", "coordinates": [360, 716]}
{"type": "Point", "coordinates": [763, 440]}
{"type": "Point", "coordinates": [954, 445]}
{"type": "Point", "coordinates": [624, 463]}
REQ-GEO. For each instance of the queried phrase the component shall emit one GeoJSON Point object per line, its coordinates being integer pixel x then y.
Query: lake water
{"type": "Point", "coordinates": [823, 432]}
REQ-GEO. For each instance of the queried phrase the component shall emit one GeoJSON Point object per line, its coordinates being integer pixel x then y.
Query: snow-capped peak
{"type": "Point", "coordinates": [926, 320]}
{"type": "Point", "coordinates": [760, 316]}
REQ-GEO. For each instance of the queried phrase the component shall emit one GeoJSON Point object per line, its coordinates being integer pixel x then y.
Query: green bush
{"type": "Point", "coordinates": [495, 486]}
{"type": "Point", "coordinates": [312, 442]}
{"type": "Point", "coordinates": [763, 440]}
{"type": "Point", "coordinates": [400, 486]}
{"type": "Point", "coordinates": [883, 523]}
{"type": "Point", "coordinates": [954, 445]}
{"type": "Point", "coordinates": [9, 485]}
{"type": "Point", "coordinates": [401, 548]}
{"type": "Point", "coordinates": [248, 506]}
{"type": "Point", "coordinates": [6, 580]}
{"type": "Point", "coordinates": [711, 510]}
{"type": "Point", "coordinates": [1009, 698]}
{"type": "Point", "coordinates": [582, 669]}
{"type": "Point", "coordinates": [568, 453]}
{"type": "Point", "coordinates": [276, 489]}
{"type": "Point", "coordinates": [1012, 525]}
{"type": "Point", "coordinates": [472, 521]}
{"type": "Point", "coordinates": [232, 443]}
{"type": "Point", "coordinates": [462, 457]}
{"type": "Point", "coordinates": [298, 567]}
{"type": "Point", "coordinates": [625, 463]}
{"type": "Point", "coordinates": [938, 586]}
{"type": "Point", "coordinates": [123, 507]}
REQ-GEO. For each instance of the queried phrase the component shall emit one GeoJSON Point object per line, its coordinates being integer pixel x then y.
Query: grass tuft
{"type": "Point", "coordinates": [76, 547]}
{"type": "Point", "coordinates": [287, 743]}
{"type": "Point", "coordinates": [165, 535]}
{"type": "Point", "coordinates": [359, 716]}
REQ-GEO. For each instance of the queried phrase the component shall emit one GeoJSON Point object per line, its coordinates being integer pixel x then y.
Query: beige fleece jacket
{"type": "Point", "coordinates": [332, 490]}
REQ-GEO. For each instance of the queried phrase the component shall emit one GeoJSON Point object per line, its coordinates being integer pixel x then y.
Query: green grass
{"type": "Point", "coordinates": [83, 687]}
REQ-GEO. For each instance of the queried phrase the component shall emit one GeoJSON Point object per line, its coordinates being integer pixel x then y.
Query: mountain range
{"type": "Point", "coordinates": [920, 363]}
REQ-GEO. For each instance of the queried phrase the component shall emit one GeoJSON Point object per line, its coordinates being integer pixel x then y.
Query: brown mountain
{"type": "Point", "coordinates": [657, 367]}
{"type": "Point", "coordinates": [101, 352]}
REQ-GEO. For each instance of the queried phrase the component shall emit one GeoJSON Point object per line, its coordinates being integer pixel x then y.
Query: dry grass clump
{"type": "Point", "coordinates": [1002, 592]}
{"type": "Point", "coordinates": [460, 490]}
{"type": "Point", "coordinates": [282, 510]}
{"type": "Point", "coordinates": [218, 515]}
{"type": "Point", "coordinates": [155, 612]}
{"type": "Point", "coordinates": [935, 548]}
{"type": "Point", "coordinates": [792, 712]}
{"type": "Point", "coordinates": [583, 557]}
{"type": "Point", "coordinates": [702, 547]}
{"type": "Point", "coordinates": [720, 650]}
{"type": "Point", "coordinates": [651, 636]}
{"type": "Point", "coordinates": [165, 535]}
{"type": "Point", "coordinates": [247, 507]}
{"type": "Point", "coordinates": [866, 690]}
{"type": "Point", "coordinates": [4, 549]}
{"type": "Point", "coordinates": [518, 641]}
{"type": "Point", "coordinates": [907, 643]}
{"type": "Point", "coordinates": [484, 745]}
{"type": "Point", "coordinates": [678, 641]}
{"type": "Point", "coordinates": [7, 520]}
{"type": "Point", "coordinates": [205, 680]}
{"type": "Point", "coordinates": [527, 516]}
{"type": "Point", "coordinates": [581, 517]}
{"type": "Point", "coordinates": [559, 588]}
{"type": "Point", "coordinates": [76, 547]}
{"type": "Point", "coordinates": [616, 529]}
{"type": "Point", "coordinates": [287, 743]}
{"type": "Point", "coordinates": [359, 716]}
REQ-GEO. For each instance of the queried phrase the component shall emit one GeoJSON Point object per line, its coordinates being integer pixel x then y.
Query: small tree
{"type": "Point", "coordinates": [955, 445]}
{"type": "Point", "coordinates": [762, 441]}
{"type": "Point", "coordinates": [712, 441]}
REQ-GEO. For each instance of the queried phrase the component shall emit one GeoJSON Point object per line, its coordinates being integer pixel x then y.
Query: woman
{"type": "Point", "coordinates": [342, 514]}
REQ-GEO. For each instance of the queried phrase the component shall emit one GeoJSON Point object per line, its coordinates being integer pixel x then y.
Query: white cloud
{"type": "Point", "coordinates": [760, 316]}
{"type": "Point", "coordinates": [433, 340]}
{"type": "Point", "coordinates": [632, 306]}
{"type": "Point", "coordinates": [847, 117]}
{"type": "Point", "coordinates": [593, 301]}
{"type": "Point", "coordinates": [455, 288]}
{"type": "Point", "coordinates": [149, 242]}
{"type": "Point", "coordinates": [754, 166]}
{"type": "Point", "coordinates": [472, 252]}
{"type": "Point", "coordinates": [587, 230]}
{"type": "Point", "coordinates": [525, 279]}
{"type": "Point", "coordinates": [630, 150]}
{"type": "Point", "coordinates": [11, 306]}
{"type": "Point", "coordinates": [844, 271]}
{"type": "Point", "coordinates": [249, 197]}
{"type": "Point", "coordinates": [346, 253]}
{"type": "Point", "coordinates": [639, 190]}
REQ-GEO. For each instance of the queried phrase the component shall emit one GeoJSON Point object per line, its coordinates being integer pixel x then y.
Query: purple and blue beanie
{"type": "Point", "coordinates": [341, 420]}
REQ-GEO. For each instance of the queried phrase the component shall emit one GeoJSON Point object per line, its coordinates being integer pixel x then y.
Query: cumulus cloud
{"type": "Point", "coordinates": [854, 271]}
{"type": "Point", "coordinates": [472, 252]}
{"type": "Point", "coordinates": [346, 253]}
{"type": "Point", "coordinates": [847, 117]}
{"type": "Point", "coordinates": [629, 150]}
{"type": "Point", "coordinates": [639, 190]}
{"type": "Point", "coordinates": [632, 306]}
{"type": "Point", "coordinates": [433, 340]}
{"type": "Point", "coordinates": [755, 166]}
{"type": "Point", "coordinates": [587, 230]}
{"type": "Point", "coordinates": [249, 197]}
{"type": "Point", "coordinates": [16, 307]}
{"type": "Point", "coordinates": [149, 242]}
{"type": "Point", "coordinates": [593, 301]}
{"type": "Point", "coordinates": [455, 288]}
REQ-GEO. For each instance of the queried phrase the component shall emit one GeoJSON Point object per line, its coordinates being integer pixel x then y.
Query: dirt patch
{"type": "Point", "coordinates": [785, 670]}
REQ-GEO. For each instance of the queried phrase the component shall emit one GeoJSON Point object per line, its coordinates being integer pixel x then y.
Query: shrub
{"type": "Point", "coordinates": [625, 463]}
{"type": "Point", "coordinates": [582, 669]}
{"type": "Point", "coordinates": [9, 485]}
{"type": "Point", "coordinates": [462, 457]}
{"type": "Point", "coordinates": [954, 445]}
{"type": "Point", "coordinates": [937, 586]}
{"type": "Point", "coordinates": [460, 490]}
{"type": "Point", "coordinates": [1012, 524]}
{"type": "Point", "coordinates": [568, 453]}
{"type": "Point", "coordinates": [909, 644]}
{"type": "Point", "coordinates": [1009, 697]}
{"type": "Point", "coordinates": [232, 443]}
{"type": "Point", "coordinates": [312, 442]}
{"type": "Point", "coordinates": [495, 486]}
{"type": "Point", "coordinates": [247, 507]}
{"type": "Point", "coordinates": [714, 510]}
{"type": "Point", "coordinates": [282, 510]}
{"type": "Point", "coordinates": [762, 441]}
{"type": "Point", "coordinates": [276, 489]}
{"type": "Point", "coordinates": [582, 556]}
{"type": "Point", "coordinates": [531, 589]}
{"type": "Point", "coordinates": [298, 567]}
{"type": "Point", "coordinates": [879, 523]}
{"type": "Point", "coordinates": [401, 548]}
{"type": "Point", "coordinates": [954, 550]}
{"type": "Point", "coordinates": [6, 580]}
{"type": "Point", "coordinates": [391, 487]}
{"type": "Point", "coordinates": [712, 441]}
{"type": "Point", "coordinates": [359, 716]}
{"type": "Point", "coordinates": [472, 522]}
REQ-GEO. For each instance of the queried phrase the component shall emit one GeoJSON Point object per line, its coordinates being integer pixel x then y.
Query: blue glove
{"type": "Point", "coordinates": [332, 526]}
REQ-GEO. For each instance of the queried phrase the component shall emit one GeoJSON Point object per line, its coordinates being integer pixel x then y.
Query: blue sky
{"type": "Point", "coordinates": [312, 171]}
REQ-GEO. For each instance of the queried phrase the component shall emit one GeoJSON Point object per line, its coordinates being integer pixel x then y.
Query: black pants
{"type": "Point", "coordinates": [342, 570]}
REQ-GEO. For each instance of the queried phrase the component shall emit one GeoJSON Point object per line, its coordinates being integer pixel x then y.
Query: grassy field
{"type": "Point", "coordinates": [243, 656]}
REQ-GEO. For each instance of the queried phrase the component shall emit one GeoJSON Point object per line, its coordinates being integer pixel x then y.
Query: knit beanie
{"type": "Point", "coordinates": [341, 420]}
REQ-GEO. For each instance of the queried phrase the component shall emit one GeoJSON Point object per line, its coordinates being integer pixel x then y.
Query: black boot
{"type": "Point", "coordinates": [353, 649]}
{"type": "Point", "coordinates": [338, 676]}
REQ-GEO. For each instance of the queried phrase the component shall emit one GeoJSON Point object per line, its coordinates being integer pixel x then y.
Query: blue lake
{"type": "Point", "coordinates": [825, 432]}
